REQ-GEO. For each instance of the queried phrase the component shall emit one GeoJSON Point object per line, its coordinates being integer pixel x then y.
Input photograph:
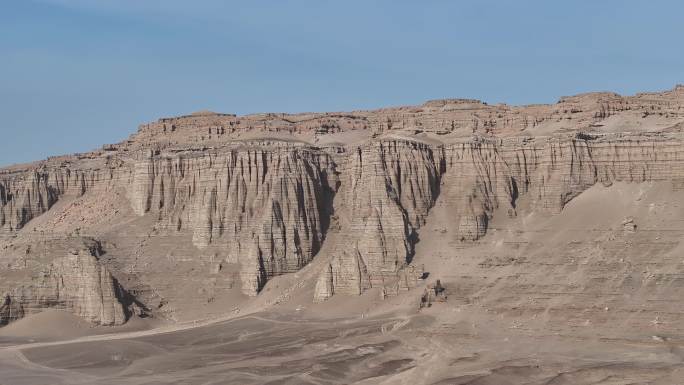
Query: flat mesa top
{"type": "Point", "coordinates": [439, 121]}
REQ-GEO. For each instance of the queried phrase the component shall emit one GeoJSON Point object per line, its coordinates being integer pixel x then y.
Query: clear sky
{"type": "Point", "coordinates": [75, 74]}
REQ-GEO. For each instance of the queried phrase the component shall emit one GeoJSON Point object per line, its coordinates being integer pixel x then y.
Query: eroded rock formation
{"type": "Point", "coordinates": [265, 208]}
{"type": "Point", "coordinates": [77, 283]}
{"type": "Point", "coordinates": [477, 178]}
{"type": "Point", "coordinates": [387, 189]}
{"type": "Point", "coordinates": [255, 194]}
{"type": "Point", "coordinates": [24, 198]}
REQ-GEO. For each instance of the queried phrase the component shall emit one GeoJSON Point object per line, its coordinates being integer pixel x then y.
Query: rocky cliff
{"type": "Point", "coordinates": [256, 197]}
{"type": "Point", "coordinates": [26, 193]}
{"type": "Point", "coordinates": [389, 196]}
{"type": "Point", "coordinates": [264, 208]}
{"type": "Point", "coordinates": [24, 198]}
{"type": "Point", "coordinates": [387, 189]}
{"type": "Point", "coordinates": [76, 282]}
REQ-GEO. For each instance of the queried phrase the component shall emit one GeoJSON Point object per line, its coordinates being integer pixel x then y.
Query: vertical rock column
{"type": "Point", "coordinates": [22, 198]}
{"type": "Point", "coordinates": [387, 189]}
{"type": "Point", "coordinates": [264, 208]}
{"type": "Point", "coordinates": [77, 283]}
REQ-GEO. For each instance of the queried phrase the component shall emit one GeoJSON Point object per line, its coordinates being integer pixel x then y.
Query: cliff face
{"type": "Point", "coordinates": [483, 176]}
{"type": "Point", "coordinates": [599, 111]}
{"type": "Point", "coordinates": [23, 199]}
{"type": "Point", "coordinates": [27, 194]}
{"type": "Point", "coordinates": [389, 196]}
{"type": "Point", "coordinates": [77, 283]}
{"type": "Point", "coordinates": [266, 209]}
{"type": "Point", "coordinates": [387, 189]}
{"type": "Point", "coordinates": [257, 196]}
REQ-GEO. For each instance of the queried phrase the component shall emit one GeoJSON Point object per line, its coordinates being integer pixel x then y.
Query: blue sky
{"type": "Point", "coordinates": [75, 74]}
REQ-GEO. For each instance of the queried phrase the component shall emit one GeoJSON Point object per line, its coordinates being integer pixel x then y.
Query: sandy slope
{"type": "Point", "coordinates": [54, 325]}
{"type": "Point", "coordinates": [540, 300]}
{"type": "Point", "coordinates": [377, 350]}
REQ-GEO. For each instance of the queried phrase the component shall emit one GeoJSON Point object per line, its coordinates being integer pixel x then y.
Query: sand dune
{"type": "Point", "coordinates": [50, 324]}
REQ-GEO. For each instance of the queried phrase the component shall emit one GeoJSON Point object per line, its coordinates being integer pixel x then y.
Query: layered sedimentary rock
{"type": "Point", "coordinates": [602, 111]}
{"type": "Point", "coordinates": [77, 283]}
{"type": "Point", "coordinates": [482, 176]}
{"type": "Point", "coordinates": [24, 198]}
{"type": "Point", "coordinates": [477, 178]}
{"type": "Point", "coordinates": [264, 208]}
{"type": "Point", "coordinates": [25, 195]}
{"type": "Point", "coordinates": [387, 189]}
{"type": "Point", "coordinates": [256, 193]}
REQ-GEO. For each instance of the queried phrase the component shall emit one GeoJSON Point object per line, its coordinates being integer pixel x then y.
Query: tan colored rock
{"type": "Point", "coordinates": [264, 208]}
{"type": "Point", "coordinates": [479, 177]}
{"type": "Point", "coordinates": [628, 225]}
{"type": "Point", "coordinates": [22, 198]}
{"type": "Point", "coordinates": [325, 285]}
{"type": "Point", "coordinates": [387, 190]}
{"type": "Point", "coordinates": [256, 193]}
{"type": "Point", "coordinates": [76, 283]}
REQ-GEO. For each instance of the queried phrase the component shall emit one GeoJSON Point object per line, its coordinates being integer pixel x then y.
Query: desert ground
{"type": "Point", "coordinates": [492, 329]}
{"type": "Point", "coordinates": [454, 242]}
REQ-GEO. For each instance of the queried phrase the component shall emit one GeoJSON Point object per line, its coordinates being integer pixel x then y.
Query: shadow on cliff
{"type": "Point", "coordinates": [131, 305]}
{"type": "Point", "coordinates": [413, 239]}
{"type": "Point", "coordinates": [326, 208]}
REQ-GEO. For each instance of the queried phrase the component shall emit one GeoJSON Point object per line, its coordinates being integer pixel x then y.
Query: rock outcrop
{"type": "Point", "coordinates": [256, 194]}
{"type": "Point", "coordinates": [476, 178]}
{"type": "Point", "coordinates": [25, 195]}
{"type": "Point", "coordinates": [264, 208]}
{"type": "Point", "coordinates": [23, 198]}
{"type": "Point", "coordinates": [387, 189]}
{"type": "Point", "coordinates": [77, 283]}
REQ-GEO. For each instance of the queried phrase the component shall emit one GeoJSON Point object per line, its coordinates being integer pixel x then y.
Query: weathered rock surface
{"type": "Point", "coordinates": [387, 190]}
{"type": "Point", "coordinates": [256, 194]}
{"type": "Point", "coordinates": [22, 199]}
{"type": "Point", "coordinates": [77, 283]}
{"type": "Point", "coordinates": [28, 193]}
{"type": "Point", "coordinates": [266, 209]}
{"type": "Point", "coordinates": [443, 119]}
{"type": "Point", "coordinates": [473, 179]}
